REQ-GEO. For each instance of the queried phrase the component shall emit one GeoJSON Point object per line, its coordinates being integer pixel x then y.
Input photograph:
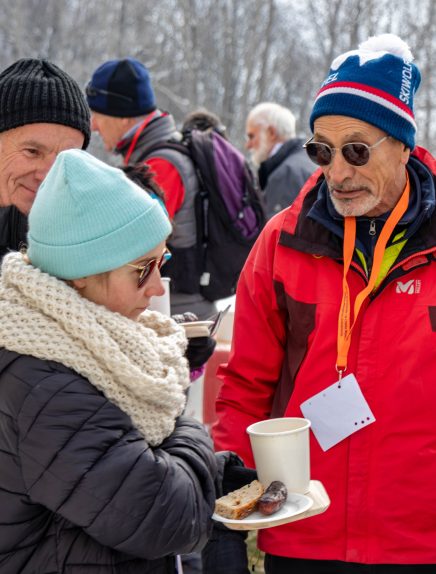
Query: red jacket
{"type": "Point", "coordinates": [381, 480]}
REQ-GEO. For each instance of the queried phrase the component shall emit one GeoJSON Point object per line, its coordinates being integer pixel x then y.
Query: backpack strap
{"type": "Point", "coordinates": [183, 147]}
{"type": "Point", "coordinates": [179, 146]}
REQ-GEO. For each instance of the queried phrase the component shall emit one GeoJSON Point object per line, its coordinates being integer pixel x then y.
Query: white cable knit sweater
{"type": "Point", "coordinates": [139, 366]}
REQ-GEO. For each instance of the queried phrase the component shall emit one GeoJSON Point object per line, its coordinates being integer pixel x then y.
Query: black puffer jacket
{"type": "Point", "coordinates": [13, 230]}
{"type": "Point", "coordinates": [80, 489]}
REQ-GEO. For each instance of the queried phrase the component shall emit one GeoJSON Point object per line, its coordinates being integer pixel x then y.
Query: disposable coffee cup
{"type": "Point", "coordinates": [161, 303]}
{"type": "Point", "coordinates": [281, 452]}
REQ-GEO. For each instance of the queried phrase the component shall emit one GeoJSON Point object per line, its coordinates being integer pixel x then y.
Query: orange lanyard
{"type": "Point", "coordinates": [138, 132]}
{"type": "Point", "coordinates": [344, 321]}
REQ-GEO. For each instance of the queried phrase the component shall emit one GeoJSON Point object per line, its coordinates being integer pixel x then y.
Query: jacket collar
{"type": "Point", "coordinates": [318, 228]}
{"type": "Point", "coordinates": [270, 164]}
{"type": "Point", "coordinates": [161, 128]}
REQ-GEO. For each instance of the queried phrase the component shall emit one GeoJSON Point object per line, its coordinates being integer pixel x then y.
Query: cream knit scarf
{"type": "Point", "coordinates": [139, 366]}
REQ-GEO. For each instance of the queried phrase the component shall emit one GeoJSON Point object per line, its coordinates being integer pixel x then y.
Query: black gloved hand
{"type": "Point", "coordinates": [232, 474]}
{"type": "Point", "coordinates": [237, 476]}
{"type": "Point", "coordinates": [199, 350]}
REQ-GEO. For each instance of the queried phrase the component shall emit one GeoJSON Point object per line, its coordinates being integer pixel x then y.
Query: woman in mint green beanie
{"type": "Point", "coordinates": [90, 219]}
{"type": "Point", "coordinates": [100, 470]}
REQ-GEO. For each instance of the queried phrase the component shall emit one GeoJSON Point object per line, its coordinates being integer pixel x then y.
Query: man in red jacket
{"type": "Point", "coordinates": [342, 286]}
{"type": "Point", "coordinates": [125, 114]}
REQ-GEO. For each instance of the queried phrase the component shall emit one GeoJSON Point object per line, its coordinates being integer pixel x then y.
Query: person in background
{"type": "Point", "coordinates": [338, 297]}
{"type": "Point", "coordinates": [142, 175]}
{"type": "Point", "coordinates": [43, 112]}
{"type": "Point", "coordinates": [100, 470]}
{"type": "Point", "coordinates": [125, 114]}
{"type": "Point", "coordinates": [283, 166]}
{"type": "Point", "coordinates": [203, 120]}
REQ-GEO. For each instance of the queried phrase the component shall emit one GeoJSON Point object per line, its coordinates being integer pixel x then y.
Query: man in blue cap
{"type": "Point", "coordinates": [125, 114]}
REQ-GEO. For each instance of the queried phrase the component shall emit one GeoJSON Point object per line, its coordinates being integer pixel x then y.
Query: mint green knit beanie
{"type": "Point", "coordinates": [88, 218]}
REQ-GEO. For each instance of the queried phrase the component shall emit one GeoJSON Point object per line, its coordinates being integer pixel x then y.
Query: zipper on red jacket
{"type": "Point", "coordinates": [372, 231]}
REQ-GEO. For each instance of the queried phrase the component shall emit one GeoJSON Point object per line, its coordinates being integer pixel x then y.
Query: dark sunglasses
{"type": "Point", "coordinates": [93, 92]}
{"type": "Point", "coordinates": [146, 270]}
{"type": "Point", "coordinates": [355, 153]}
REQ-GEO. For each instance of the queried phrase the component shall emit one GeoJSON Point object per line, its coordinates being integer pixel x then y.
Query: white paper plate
{"type": "Point", "coordinates": [295, 504]}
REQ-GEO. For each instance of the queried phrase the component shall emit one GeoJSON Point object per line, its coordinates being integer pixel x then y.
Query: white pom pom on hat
{"type": "Point", "coordinates": [388, 43]}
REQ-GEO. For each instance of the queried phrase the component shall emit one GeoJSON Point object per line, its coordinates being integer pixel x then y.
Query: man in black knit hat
{"type": "Point", "coordinates": [43, 112]}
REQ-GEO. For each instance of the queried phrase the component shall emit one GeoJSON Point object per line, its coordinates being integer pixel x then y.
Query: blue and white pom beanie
{"type": "Point", "coordinates": [375, 84]}
{"type": "Point", "coordinates": [89, 217]}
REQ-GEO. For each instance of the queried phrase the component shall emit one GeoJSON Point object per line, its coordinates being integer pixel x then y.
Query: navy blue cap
{"type": "Point", "coordinates": [121, 88]}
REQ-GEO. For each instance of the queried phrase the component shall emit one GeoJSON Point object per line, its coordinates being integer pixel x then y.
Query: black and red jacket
{"type": "Point", "coordinates": [381, 479]}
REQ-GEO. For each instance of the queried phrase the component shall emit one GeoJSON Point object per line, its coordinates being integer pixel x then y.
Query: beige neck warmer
{"type": "Point", "coordinates": [139, 366]}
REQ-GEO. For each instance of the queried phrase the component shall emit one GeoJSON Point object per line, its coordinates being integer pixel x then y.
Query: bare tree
{"type": "Point", "coordinates": [226, 55]}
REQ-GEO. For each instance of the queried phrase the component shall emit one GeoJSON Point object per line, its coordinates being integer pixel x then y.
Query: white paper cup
{"type": "Point", "coordinates": [281, 452]}
{"type": "Point", "coordinates": [162, 302]}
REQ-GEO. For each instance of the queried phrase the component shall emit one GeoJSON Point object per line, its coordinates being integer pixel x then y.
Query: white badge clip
{"type": "Point", "coordinates": [337, 412]}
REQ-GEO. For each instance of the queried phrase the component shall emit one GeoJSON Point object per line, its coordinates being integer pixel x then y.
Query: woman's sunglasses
{"type": "Point", "coordinates": [355, 153]}
{"type": "Point", "coordinates": [146, 270]}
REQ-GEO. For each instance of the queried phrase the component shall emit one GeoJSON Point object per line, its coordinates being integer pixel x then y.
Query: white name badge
{"type": "Point", "coordinates": [337, 412]}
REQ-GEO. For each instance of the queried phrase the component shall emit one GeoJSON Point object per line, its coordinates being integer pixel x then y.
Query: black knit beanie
{"type": "Point", "coordinates": [37, 91]}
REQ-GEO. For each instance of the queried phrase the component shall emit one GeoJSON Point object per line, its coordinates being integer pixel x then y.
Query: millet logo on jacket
{"type": "Point", "coordinates": [410, 287]}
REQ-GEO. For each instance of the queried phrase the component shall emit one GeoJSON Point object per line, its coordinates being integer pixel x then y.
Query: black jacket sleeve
{"type": "Point", "coordinates": [82, 459]}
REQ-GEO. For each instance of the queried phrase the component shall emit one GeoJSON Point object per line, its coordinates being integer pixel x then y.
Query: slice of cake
{"type": "Point", "coordinates": [240, 503]}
